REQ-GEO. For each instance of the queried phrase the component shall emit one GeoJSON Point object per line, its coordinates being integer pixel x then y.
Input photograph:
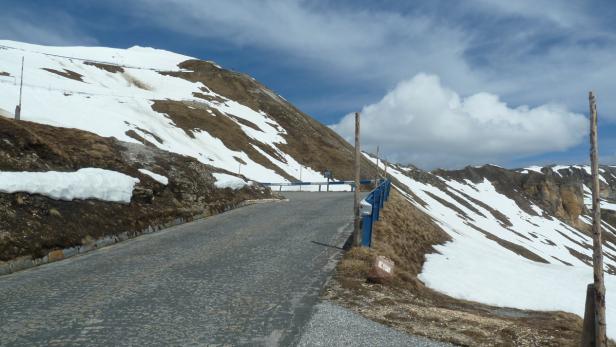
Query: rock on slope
{"type": "Point", "coordinates": [175, 103]}
{"type": "Point", "coordinates": [519, 238]}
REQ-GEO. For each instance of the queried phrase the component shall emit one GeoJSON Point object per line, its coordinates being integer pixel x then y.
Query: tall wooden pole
{"type": "Point", "coordinates": [357, 221]}
{"type": "Point", "coordinates": [376, 179]}
{"type": "Point", "coordinates": [600, 324]}
{"type": "Point", "coordinates": [385, 165]}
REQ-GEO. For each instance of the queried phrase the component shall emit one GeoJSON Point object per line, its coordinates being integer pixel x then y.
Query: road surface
{"type": "Point", "coordinates": [251, 276]}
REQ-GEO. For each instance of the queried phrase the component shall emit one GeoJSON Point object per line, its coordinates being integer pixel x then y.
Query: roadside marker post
{"type": "Point", "coordinates": [21, 86]}
{"type": "Point", "coordinates": [594, 333]}
{"type": "Point", "coordinates": [357, 221]}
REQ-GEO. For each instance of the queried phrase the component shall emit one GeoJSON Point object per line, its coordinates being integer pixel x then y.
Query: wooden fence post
{"type": "Point", "coordinates": [599, 286]}
{"type": "Point", "coordinates": [588, 329]}
{"type": "Point", "coordinates": [357, 221]}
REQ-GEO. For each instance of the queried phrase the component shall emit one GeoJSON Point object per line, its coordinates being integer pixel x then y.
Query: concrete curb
{"type": "Point", "coordinates": [26, 262]}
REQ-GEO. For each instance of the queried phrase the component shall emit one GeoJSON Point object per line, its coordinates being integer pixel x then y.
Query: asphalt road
{"type": "Point", "coordinates": [251, 276]}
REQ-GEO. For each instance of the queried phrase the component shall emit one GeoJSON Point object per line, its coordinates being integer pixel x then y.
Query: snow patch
{"type": "Point", "coordinates": [228, 181]}
{"type": "Point", "coordinates": [158, 178]}
{"type": "Point", "coordinates": [88, 183]}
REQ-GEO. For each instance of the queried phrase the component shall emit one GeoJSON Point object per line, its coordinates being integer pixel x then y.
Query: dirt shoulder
{"type": "Point", "coordinates": [405, 234]}
{"type": "Point", "coordinates": [32, 225]}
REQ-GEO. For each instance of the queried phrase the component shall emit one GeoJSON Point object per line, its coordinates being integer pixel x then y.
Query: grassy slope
{"type": "Point", "coordinates": [405, 235]}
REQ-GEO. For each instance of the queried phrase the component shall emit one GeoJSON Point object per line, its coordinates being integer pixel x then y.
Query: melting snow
{"type": "Point", "coordinates": [89, 183]}
{"type": "Point", "coordinates": [159, 178]}
{"type": "Point", "coordinates": [228, 181]}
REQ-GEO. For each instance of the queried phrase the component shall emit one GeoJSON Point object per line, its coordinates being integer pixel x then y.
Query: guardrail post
{"type": "Point", "coordinates": [375, 206]}
{"type": "Point", "coordinates": [367, 231]}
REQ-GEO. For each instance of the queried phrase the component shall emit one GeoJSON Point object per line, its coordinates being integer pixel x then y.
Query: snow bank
{"type": "Point", "coordinates": [158, 178]}
{"type": "Point", "coordinates": [89, 183]}
{"type": "Point", "coordinates": [228, 181]}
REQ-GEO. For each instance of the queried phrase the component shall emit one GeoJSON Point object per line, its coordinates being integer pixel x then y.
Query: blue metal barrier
{"type": "Point", "coordinates": [327, 184]}
{"type": "Point", "coordinates": [370, 209]}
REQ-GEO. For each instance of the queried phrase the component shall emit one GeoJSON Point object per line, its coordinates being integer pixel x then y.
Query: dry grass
{"type": "Point", "coordinates": [406, 235]}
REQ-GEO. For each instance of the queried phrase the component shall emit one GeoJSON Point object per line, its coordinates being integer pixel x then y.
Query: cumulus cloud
{"type": "Point", "coordinates": [427, 124]}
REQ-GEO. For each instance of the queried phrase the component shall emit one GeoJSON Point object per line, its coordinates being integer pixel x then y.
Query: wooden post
{"type": "Point", "coordinates": [385, 164]}
{"type": "Point", "coordinates": [599, 286]}
{"type": "Point", "coordinates": [21, 86]}
{"type": "Point", "coordinates": [588, 329]}
{"type": "Point", "coordinates": [376, 179]}
{"type": "Point", "coordinates": [357, 221]}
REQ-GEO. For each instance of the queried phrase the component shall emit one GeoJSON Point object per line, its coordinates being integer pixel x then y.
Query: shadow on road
{"type": "Point", "coordinates": [326, 245]}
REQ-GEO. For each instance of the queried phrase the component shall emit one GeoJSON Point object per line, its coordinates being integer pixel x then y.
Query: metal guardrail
{"type": "Point", "coordinates": [327, 184]}
{"type": "Point", "coordinates": [370, 208]}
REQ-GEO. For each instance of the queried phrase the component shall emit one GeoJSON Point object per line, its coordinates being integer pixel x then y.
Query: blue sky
{"type": "Point", "coordinates": [331, 58]}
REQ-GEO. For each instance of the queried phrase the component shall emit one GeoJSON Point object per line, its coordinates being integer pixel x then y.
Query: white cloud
{"type": "Point", "coordinates": [528, 51]}
{"type": "Point", "coordinates": [427, 124]}
{"type": "Point", "coordinates": [349, 43]}
{"type": "Point", "coordinates": [55, 28]}
{"type": "Point", "coordinates": [566, 14]}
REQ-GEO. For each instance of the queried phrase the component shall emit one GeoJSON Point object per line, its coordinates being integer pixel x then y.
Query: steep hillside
{"type": "Point", "coordinates": [175, 103]}
{"type": "Point", "coordinates": [38, 218]}
{"type": "Point", "coordinates": [519, 238]}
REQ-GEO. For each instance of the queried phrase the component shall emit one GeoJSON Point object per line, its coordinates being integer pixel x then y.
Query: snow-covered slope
{"type": "Point", "coordinates": [519, 238]}
{"type": "Point", "coordinates": [114, 92]}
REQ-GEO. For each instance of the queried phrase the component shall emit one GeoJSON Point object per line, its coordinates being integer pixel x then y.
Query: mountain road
{"type": "Point", "coordinates": [250, 276]}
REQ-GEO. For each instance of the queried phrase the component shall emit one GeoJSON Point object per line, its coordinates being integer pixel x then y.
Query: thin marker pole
{"type": "Point", "coordinates": [599, 286]}
{"type": "Point", "coordinates": [356, 222]}
{"type": "Point", "coordinates": [21, 86]}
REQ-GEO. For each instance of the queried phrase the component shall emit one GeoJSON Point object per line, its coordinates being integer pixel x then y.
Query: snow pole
{"type": "Point", "coordinates": [598, 325]}
{"type": "Point", "coordinates": [21, 86]}
{"type": "Point", "coordinates": [356, 207]}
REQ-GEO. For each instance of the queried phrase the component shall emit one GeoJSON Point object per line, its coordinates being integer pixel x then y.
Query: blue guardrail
{"type": "Point", "coordinates": [370, 208]}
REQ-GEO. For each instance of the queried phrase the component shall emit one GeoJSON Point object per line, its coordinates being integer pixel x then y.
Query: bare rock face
{"type": "Point", "coordinates": [562, 197]}
{"type": "Point", "coordinates": [558, 190]}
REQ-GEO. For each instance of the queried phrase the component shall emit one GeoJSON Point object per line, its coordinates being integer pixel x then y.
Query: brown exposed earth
{"type": "Point", "coordinates": [405, 235]}
{"type": "Point", "coordinates": [106, 67]}
{"type": "Point", "coordinates": [32, 225]}
{"type": "Point", "coordinates": [67, 74]}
